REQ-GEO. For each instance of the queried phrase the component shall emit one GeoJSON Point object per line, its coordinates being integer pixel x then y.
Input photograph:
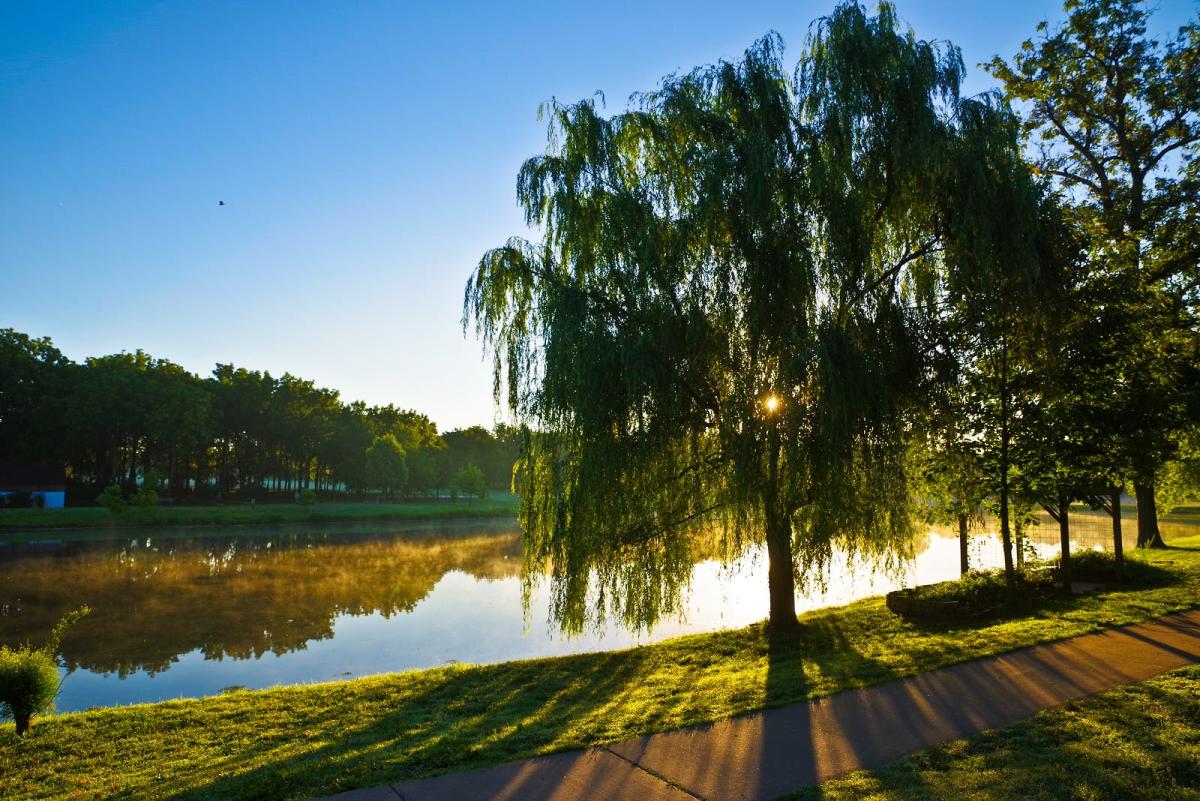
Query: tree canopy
{"type": "Point", "coordinates": [134, 419]}
{"type": "Point", "coordinates": [1114, 117]}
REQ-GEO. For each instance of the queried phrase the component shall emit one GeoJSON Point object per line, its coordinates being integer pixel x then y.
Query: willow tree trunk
{"type": "Point", "coordinates": [963, 561]}
{"type": "Point", "coordinates": [1118, 545]}
{"type": "Point", "coordinates": [1147, 516]}
{"type": "Point", "coordinates": [1064, 539]}
{"type": "Point", "coordinates": [781, 580]}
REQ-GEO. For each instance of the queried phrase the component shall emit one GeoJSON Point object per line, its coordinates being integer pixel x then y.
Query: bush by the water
{"type": "Point", "coordinates": [112, 499]}
{"type": "Point", "coordinates": [29, 676]}
{"type": "Point", "coordinates": [980, 590]}
{"type": "Point", "coordinates": [1134, 572]}
{"type": "Point", "coordinates": [306, 497]}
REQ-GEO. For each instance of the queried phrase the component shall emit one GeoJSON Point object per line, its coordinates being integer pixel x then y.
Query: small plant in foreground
{"type": "Point", "coordinates": [29, 676]}
{"type": "Point", "coordinates": [306, 497]}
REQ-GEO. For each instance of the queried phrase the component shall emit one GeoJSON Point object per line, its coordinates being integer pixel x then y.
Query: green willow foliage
{"type": "Point", "coordinates": [738, 235]}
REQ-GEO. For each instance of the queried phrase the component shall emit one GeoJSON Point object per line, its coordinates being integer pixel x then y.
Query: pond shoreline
{"type": "Point", "coordinates": [19, 521]}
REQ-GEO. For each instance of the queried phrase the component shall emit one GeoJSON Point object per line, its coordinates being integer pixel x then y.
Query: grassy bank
{"type": "Point", "coordinates": [1135, 743]}
{"type": "Point", "coordinates": [495, 505]}
{"type": "Point", "coordinates": [301, 742]}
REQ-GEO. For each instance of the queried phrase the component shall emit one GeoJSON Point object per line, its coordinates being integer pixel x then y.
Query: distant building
{"type": "Point", "coordinates": [33, 484]}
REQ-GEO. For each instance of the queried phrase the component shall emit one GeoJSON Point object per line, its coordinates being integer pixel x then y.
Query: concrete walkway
{"type": "Point", "coordinates": [767, 754]}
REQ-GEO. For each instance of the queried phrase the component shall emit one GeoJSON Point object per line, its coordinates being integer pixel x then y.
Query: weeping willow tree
{"type": "Point", "coordinates": [722, 327]}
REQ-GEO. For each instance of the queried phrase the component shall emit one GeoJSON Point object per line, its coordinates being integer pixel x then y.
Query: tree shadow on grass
{"type": "Point", "coordinates": [464, 721]}
{"type": "Point", "coordinates": [481, 716]}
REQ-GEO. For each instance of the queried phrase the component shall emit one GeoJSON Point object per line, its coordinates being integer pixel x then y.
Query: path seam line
{"type": "Point", "coordinates": [655, 774]}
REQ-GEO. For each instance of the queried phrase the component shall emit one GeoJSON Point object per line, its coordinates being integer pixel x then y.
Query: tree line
{"type": "Point", "coordinates": [138, 421]}
{"type": "Point", "coordinates": [814, 304]}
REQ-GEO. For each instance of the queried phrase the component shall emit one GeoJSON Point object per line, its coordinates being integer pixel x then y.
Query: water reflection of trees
{"type": "Point", "coordinates": [154, 599]}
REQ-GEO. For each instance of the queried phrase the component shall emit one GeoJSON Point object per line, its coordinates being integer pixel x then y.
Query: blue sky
{"type": "Point", "coordinates": [366, 153]}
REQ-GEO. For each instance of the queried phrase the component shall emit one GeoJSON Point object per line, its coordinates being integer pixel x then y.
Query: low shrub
{"type": "Point", "coordinates": [977, 592]}
{"type": "Point", "coordinates": [29, 676]}
{"type": "Point", "coordinates": [306, 497]}
{"type": "Point", "coordinates": [1135, 572]}
{"type": "Point", "coordinates": [1090, 560]}
{"type": "Point", "coordinates": [112, 499]}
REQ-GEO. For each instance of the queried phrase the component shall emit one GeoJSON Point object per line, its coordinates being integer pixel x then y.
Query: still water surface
{"type": "Point", "coordinates": [190, 612]}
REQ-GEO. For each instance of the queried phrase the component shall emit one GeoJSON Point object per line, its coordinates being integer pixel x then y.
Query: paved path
{"type": "Point", "coordinates": [767, 754]}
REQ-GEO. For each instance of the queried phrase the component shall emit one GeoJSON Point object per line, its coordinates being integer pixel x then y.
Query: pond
{"type": "Point", "coordinates": [192, 612]}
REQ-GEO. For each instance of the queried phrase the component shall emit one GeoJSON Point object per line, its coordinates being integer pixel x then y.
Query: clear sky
{"type": "Point", "coordinates": [366, 153]}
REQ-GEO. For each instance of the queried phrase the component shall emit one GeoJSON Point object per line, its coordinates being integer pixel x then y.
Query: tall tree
{"type": "Point", "coordinates": [723, 320]}
{"type": "Point", "coordinates": [1116, 117]}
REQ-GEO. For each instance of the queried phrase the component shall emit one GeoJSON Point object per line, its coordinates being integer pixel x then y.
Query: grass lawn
{"type": "Point", "coordinates": [497, 504]}
{"type": "Point", "coordinates": [1135, 743]}
{"type": "Point", "coordinates": [305, 741]}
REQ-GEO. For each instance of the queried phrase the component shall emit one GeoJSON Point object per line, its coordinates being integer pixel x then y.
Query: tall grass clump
{"type": "Point", "coordinates": [29, 679]}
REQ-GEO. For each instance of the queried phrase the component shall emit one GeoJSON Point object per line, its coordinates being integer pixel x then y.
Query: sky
{"type": "Point", "coordinates": [366, 154]}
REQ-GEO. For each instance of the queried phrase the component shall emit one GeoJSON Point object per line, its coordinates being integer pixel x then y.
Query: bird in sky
{"type": "Point", "coordinates": [220, 202]}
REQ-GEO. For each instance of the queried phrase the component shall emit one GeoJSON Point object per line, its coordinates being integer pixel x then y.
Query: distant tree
{"type": "Point", "coordinates": [387, 465]}
{"type": "Point", "coordinates": [493, 453]}
{"type": "Point", "coordinates": [1180, 482]}
{"type": "Point", "coordinates": [468, 482]}
{"type": "Point", "coordinates": [950, 466]}
{"type": "Point", "coordinates": [423, 470]}
{"type": "Point", "coordinates": [1116, 116]}
{"type": "Point", "coordinates": [34, 379]}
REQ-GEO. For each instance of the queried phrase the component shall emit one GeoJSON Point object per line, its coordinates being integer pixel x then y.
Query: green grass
{"type": "Point", "coordinates": [306, 741]}
{"type": "Point", "coordinates": [1140, 742]}
{"type": "Point", "coordinates": [498, 504]}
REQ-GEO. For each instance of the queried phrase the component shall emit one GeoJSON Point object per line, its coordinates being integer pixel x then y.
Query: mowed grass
{"type": "Point", "coordinates": [497, 504]}
{"type": "Point", "coordinates": [306, 741]}
{"type": "Point", "coordinates": [1140, 742]}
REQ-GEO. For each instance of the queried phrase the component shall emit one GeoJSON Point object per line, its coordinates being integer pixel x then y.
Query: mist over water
{"type": "Point", "coordinates": [190, 612]}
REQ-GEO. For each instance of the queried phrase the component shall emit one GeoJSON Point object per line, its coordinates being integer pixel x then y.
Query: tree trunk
{"type": "Point", "coordinates": [1147, 516]}
{"type": "Point", "coordinates": [21, 719]}
{"type": "Point", "coordinates": [963, 562]}
{"type": "Point", "coordinates": [1010, 577]}
{"type": "Point", "coordinates": [1118, 545]}
{"type": "Point", "coordinates": [1064, 538]}
{"type": "Point", "coordinates": [780, 579]}
{"type": "Point", "coordinates": [1019, 541]}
